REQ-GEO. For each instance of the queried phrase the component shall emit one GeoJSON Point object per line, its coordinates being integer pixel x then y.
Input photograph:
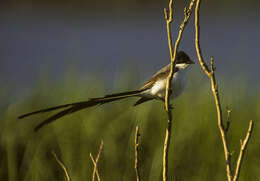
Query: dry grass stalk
{"type": "Point", "coordinates": [173, 50]}
{"type": "Point", "coordinates": [136, 166]}
{"type": "Point", "coordinates": [62, 165]}
{"type": "Point", "coordinates": [95, 162]}
{"type": "Point", "coordinates": [210, 72]}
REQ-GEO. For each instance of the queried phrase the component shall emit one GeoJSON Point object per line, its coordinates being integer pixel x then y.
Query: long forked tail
{"type": "Point", "coordinates": [74, 107]}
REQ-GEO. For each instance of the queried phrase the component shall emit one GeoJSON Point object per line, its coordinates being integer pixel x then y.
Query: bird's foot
{"type": "Point", "coordinates": [171, 106]}
{"type": "Point", "coordinates": [170, 91]}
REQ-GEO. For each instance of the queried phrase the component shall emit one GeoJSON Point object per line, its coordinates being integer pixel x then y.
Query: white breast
{"type": "Point", "coordinates": [178, 84]}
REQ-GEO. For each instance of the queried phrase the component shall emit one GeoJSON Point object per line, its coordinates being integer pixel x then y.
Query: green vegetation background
{"type": "Point", "coordinates": [196, 151]}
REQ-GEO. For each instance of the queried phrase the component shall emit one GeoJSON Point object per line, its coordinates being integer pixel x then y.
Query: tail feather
{"type": "Point", "coordinates": [49, 109]}
{"type": "Point", "coordinates": [119, 95]}
{"type": "Point", "coordinates": [65, 112]}
{"type": "Point", "coordinates": [74, 107]}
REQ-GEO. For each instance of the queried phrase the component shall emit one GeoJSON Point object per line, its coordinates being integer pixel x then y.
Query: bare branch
{"type": "Point", "coordinates": [169, 18]}
{"type": "Point", "coordinates": [173, 51]}
{"type": "Point", "coordinates": [197, 39]}
{"type": "Point", "coordinates": [166, 146]}
{"type": "Point", "coordinates": [62, 165]}
{"type": "Point", "coordinates": [211, 75]}
{"type": "Point", "coordinates": [223, 131]}
{"type": "Point", "coordinates": [243, 147]}
{"type": "Point", "coordinates": [137, 169]}
{"type": "Point", "coordinates": [95, 162]}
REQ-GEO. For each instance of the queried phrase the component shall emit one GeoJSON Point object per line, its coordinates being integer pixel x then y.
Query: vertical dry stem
{"type": "Point", "coordinates": [62, 165]}
{"type": "Point", "coordinates": [137, 169]}
{"type": "Point", "coordinates": [243, 147]}
{"type": "Point", "coordinates": [173, 51]}
{"type": "Point", "coordinates": [223, 131]}
{"type": "Point", "coordinates": [95, 162]}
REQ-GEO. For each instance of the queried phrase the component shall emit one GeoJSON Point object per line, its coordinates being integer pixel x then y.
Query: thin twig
{"type": "Point", "coordinates": [95, 162]}
{"type": "Point", "coordinates": [228, 119]}
{"type": "Point", "coordinates": [211, 75]}
{"type": "Point", "coordinates": [223, 131]}
{"type": "Point", "coordinates": [137, 169]}
{"type": "Point", "coordinates": [169, 18]}
{"type": "Point", "coordinates": [62, 165]}
{"type": "Point", "coordinates": [166, 146]}
{"type": "Point", "coordinates": [243, 147]}
{"type": "Point", "coordinates": [173, 50]}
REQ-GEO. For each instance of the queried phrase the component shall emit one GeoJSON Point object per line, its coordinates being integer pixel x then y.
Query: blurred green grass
{"type": "Point", "coordinates": [196, 151]}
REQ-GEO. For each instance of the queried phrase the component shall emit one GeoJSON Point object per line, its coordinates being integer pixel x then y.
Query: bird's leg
{"type": "Point", "coordinates": [171, 106]}
{"type": "Point", "coordinates": [170, 93]}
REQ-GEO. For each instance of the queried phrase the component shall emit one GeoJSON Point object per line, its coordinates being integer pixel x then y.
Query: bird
{"type": "Point", "coordinates": [153, 89]}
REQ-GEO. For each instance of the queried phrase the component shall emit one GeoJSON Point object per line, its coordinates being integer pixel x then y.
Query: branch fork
{"type": "Point", "coordinates": [173, 50]}
{"type": "Point", "coordinates": [214, 88]}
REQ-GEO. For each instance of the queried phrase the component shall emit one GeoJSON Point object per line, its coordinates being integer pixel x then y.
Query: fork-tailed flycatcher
{"type": "Point", "coordinates": [154, 88]}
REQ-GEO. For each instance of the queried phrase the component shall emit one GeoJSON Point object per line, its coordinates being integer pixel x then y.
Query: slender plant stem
{"type": "Point", "coordinates": [136, 166]}
{"type": "Point", "coordinates": [173, 52]}
{"type": "Point", "coordinates": [223, 131]}
{"type": "Point", "coordinates": [243, 147]}
{"type": "Point", "coordinates": [95, 162]}
{"type": "Point", "coordinates": [62, 165]}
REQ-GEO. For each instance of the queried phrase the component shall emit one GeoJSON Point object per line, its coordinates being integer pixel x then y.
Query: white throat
{"type": "Point", "coordinates": [178, 84]}
{"type": "Point", "coordinates": [182, 65]}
